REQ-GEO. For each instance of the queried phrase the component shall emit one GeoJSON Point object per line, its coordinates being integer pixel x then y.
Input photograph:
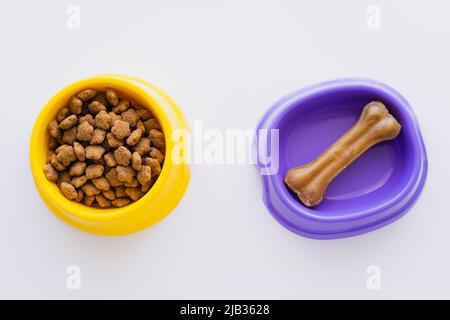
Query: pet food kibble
{"type": "Point", "coordinates": [109, 194]}
{"type": "Point", "coordinates": [113, 142]}
{"type": "Point", "coordinates": [122, 156]}
{"type": "Point", "coordinates": [88, 200]}
{"type": "Point", "coordinates": [134, 193]}
{"type": "Point", "coordinates": [121, 129]}
{"type": "Point", "coordinates": [143, 146]}
{"type": "Point", "coordinates": [102, 201]}
{"type": "Point", "coordinates": [87, 94]}
{"type": "Point", "coordinates": [78, 181]}
{"type": "Point", "coordinates": [136, 161]}
{"type": "Point", "coordinates": [54, 129]}
{"type": "Point", "coordinates": [151, 124]}
{"type": "Point", "coordinates": [144, 175]}
{"type": "Point", "coordinates": [156, 154]}
{"type": "Point", "coordinates": [103, 151]}
{"type": "Point", "coordinates": [131, 117]}
{"type": "Point", "coordinates": [94, 152]}
{"type": "Point", "coordinates": [156, 138]}
{"type": "Point", "coordinates": [68, 191]}
{"type": "Point", "coordinates": [110, 160]}
{"type": "Point", "coordinates": [51, 173]}
{"type": "Point", "coordinates": [125, 174]}
{"type": "Point", "coordinates": [121, 202]}
{"type": "Point", "coordinates": [134, 137]}
{"type": "Point", "coordinates": [89, 189]}
{"type": "Point", "coordinates": [101, 183]}
{"type": "Point", "coordinates": [144, 114]}
{"type": "Point", "coordinates": [94, 171]}
{"type": "Point", "coordinates": [95, 107]}
{"type": "Point", "coordinates": [112, 178]}
{"type": "Point", "coordinates": [84, 131]}
{"type": "Point", "coordinates": [77, 168]}
{"type": "Point", "coordinates": [62, 114]}
{"type": "Point", "coordinates": [79, 151]}
{"type": "Point", "coordinates": [98, 136]}
{"type": "Point", "coordinates": [75, 105]}
{"type": "Point", "coordinates": [103, 120]}
{"type": "Point", "coordinates": [112, 97]}
{"type": "Point", "coordinates": [65, 154]}
{"type": "Point", "coordinates": [154, 165]}
{"type": "Point", "coordinates": [122, 106]}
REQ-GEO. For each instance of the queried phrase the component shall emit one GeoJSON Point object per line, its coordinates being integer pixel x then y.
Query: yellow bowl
{"type": "Point", "coordinates": [157, 202]}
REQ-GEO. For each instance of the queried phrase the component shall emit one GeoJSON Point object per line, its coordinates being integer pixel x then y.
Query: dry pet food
{"type": "Point", "coordinates": [310, 181]}
{"type": "Point", "coordinates": [104, 151]}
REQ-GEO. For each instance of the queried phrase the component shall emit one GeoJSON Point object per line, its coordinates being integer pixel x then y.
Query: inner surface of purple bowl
{"type": "Point", "coordinates": [376, 188]}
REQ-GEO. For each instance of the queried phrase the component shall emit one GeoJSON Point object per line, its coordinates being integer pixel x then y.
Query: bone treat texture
{"type": "Point", "coordinates": [311, 180]}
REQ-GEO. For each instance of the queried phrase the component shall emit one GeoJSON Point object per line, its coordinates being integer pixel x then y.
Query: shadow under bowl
{"type": "Point", "coordinates": [377, 188]}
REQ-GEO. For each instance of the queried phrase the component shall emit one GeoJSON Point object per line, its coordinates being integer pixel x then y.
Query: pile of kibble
{"type": "Point", "coordinates": [104, 151]}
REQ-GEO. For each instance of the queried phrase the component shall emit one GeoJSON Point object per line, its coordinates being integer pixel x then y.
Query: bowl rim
{"type": "Point", "coordinates": [51, 191]}
{"type": "Point", "coordinates": [272, 184]}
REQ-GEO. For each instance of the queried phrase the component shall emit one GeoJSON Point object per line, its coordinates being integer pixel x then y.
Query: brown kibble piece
{"type": "Point", "coordinates": [134, 193]}
{"type": "Point", "coordinates": [121, 129]}
{"type": "Point", "coordinates": [94, 152]}
{"type": "Point", "coordinates": [68, 122]}
{"type": "Point", "coordinates": [54, 129]}
{"type": "Point", "coordinates": [98, 136]}
{"type": "Point", "coordinates": [63, 177]}
{"type": "Point", "coordinates": [51, 173]}
{"type": "Point", "coordinates": [88, 200]}
{"type": "Point", "coordinates": [80, 195]}
{"type": "Point", "coordinates": [87, 94]}
{"type": "Point", "coordinates": [144, 175]}
{"type": "Point", "coordinates": [94, 171]}
{"type": "Point", "coordinates": [156, 154]}
{"type": "Point", "coordinates": [78, 181]}
{"type": "Point", "coordinates": [101, 97]}
{"type": "Point", "coordinates": [75, 105]}
{"type": "Point", "coordinates": [134, 137]}
{"type": "Point", "coordinates": [122, 156]}
{"type": "Point", "coordinates": [110, 160]}
{"type": "Point", "coordinates": [120, 191]}
{"type": "Point", "coordinates": [89, 189]}
{"type": "Point", "coordinates": [79, 151]}
{"type": "Point", "coordinates": [157, 138]}
{"type": "Point", "coordinates": [103, 120]}
{"type": "Point", "coordinates": [146, 187]}
{"type": "Point", "coordinates": [125, 174]}
{"type": "Point", "coordinates": [65, 154]}
{"type": "Point", "coordinates": [62, 114]}
{"type": "Point", "coordinates": [122, 106]}
{"type": "Point", "coordinates": [101, 183]}
{"type": "Point", "coordinates": [112, 178]}
{"type": "Point", "coordinates": [113, 142]}
{"type": "Point", "coordinates": [68, 191]}
{"type": "Point", "coordinates": [95, 107]}
{"type": "Point", "coordinates": [84, 131]}
{"type": "Point", "coordinates": [87, 118]}
{"type": "Point", "coordinates": [114, 116]}
{"type": "Point", "coordinates": [77, 168]}
{"type": "Point", "coordinates": [132, 184]}
{"type": "Point", "coordinates": [70, 136]}
{"type": "Point", "coordinates": [144, 114]}
{"type": "Point", "coordinates": [131, 117]}
{"type": "Point", "coordinates": [56, 164]}
{"type": "Point", "coordinates": [120, 202]}
{"type": "Point", "coordinates": [143, 146]}
{"type": "Point", "coordinates": [311, 180]}
{"type": "Point", "coordinates": [112, 97]}
{"type": "Point", "coordinates": [154, 165]}
{"type": "Point", "coordinates": [136, 160]}
{"type": "Point", "coordinates": [151, 124]}
{"type": "Point", "coordinates": [102, 201]}
{"type": "Point", "coordinates": [109, 194]}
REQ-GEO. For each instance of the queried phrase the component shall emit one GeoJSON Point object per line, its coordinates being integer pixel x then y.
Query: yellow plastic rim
{"type": "Point", "coordinates": [159, 201]}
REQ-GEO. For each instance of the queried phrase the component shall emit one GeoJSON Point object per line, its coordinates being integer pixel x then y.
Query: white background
{"type": "Point", "coordinates": [225, 63]}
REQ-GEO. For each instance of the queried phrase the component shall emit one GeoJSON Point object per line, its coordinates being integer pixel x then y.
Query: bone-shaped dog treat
{"type": "Point", "coordinates": [311, 180]}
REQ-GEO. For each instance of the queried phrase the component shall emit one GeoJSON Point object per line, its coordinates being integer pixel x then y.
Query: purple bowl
{"type": "Point", "coordinates": [376, 189]}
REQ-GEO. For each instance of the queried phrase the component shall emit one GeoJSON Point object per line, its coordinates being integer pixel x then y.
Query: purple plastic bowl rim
{"type": "Point", "coordinates": [408, 195]}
